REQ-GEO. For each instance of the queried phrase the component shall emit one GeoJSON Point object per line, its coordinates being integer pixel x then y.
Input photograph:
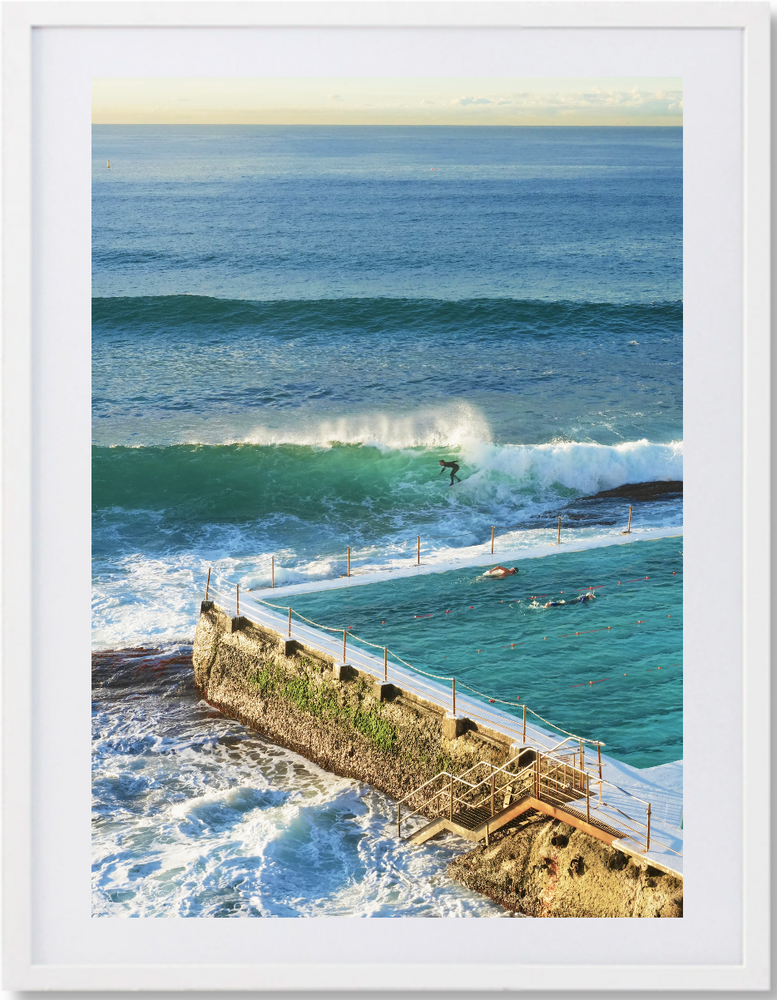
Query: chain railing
{"type": "Point", "coordinates": [526, 731]}
{"type": "Point", "coordinates": [414, 541]}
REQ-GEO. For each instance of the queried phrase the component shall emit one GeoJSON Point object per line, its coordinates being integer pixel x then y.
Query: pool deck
{"type": "Point", "coordinates": [471, 556]}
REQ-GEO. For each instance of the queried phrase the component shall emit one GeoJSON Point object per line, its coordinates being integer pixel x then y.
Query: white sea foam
{"type": "Point", "coordinates": [461, 429]}
{"type": "Point", "coordinates": [580, 466]}
{"type": "Point", "coordinates": [154, 601]}
{"type": "Point", "coordinates": [214, 831]}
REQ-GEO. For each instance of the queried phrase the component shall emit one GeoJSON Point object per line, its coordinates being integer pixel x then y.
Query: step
{"type": "Point", "coordinates": [490, 824]}
{"type": "Point", "coordinates": [430, 830]}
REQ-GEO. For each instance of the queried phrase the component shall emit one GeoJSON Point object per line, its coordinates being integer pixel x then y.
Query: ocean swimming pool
{"type": "Point", "coordinates": [609, 669]}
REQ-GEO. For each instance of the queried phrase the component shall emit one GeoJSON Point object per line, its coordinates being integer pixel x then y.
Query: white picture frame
{"type": "Point", "coordinates": [49, 940]}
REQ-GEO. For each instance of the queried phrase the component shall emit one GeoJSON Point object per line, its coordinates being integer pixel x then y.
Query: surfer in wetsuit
{"type": "Point", "coordinates": [454, 469]}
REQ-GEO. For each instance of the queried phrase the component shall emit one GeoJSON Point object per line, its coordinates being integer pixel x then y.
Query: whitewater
{"type": "Point", "coordinates": [291, 328]}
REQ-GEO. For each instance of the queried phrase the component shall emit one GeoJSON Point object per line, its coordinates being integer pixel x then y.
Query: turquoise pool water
{"type": "Point", "coordinates": [609, 669]}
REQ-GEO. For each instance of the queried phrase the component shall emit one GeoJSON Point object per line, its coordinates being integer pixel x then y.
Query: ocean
{"type": "Point", "coordinates": [292, 327]}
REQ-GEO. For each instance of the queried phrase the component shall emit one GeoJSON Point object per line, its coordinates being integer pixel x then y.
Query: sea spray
{"type": "Point", "coordinates": [194, 815]}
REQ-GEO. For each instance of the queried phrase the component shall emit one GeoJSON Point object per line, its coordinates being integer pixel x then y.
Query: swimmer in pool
{"type": "Point", "coordinates": [500, 571]}
{"type": "Point", "coordinates": [575, 600]}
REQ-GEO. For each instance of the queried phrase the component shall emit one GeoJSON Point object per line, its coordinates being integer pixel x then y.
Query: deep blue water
{"type": "Point", "coordinates": [294, 212]}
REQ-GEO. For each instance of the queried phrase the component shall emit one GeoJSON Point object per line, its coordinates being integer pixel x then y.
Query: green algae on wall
{"type": "Point", "coordinates": [393, 741]}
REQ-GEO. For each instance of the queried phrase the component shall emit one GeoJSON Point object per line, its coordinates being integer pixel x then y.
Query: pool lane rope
{"type": "Point", "coordinates": [440, 677]}
{"type": "Point", "coordinates": [512, 704]}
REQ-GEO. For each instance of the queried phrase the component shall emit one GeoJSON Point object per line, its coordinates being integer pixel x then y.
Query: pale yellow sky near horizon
{"type": "Point", "coordinates": [388, 100]}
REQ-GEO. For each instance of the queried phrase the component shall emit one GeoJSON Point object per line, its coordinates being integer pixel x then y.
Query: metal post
{"type": "Point", "coordinates": [486, 834]}
{"type": "Point", "coordinates": [385, 664]}
{"type": "Point", "coordinates": [492, 539]}
{"type": "Point", "coordinates": [588, 798]}
{"type": "Point", "coordinates": [418, 550]}
{"type": "Point", "coordinates": [290, 623]}
{"type": "Point", "coordinates": [599, 752]}
{"type": "Point", "coordinates": [237, 599]}
{"type": "Point", "coordinates": [450, 807]}
{"type": "Point", "coordinates": [345, 633]}
{"type": "Point", "coordinates": [647, 839]}
{"type": "Point", "coordinates": [348, 570]}
{"type": "Point", "coordinates": [493, 788]}
{"type": "Point", "coordinates": [454, 696]}
{"type": "Point", "coordinates": [537, 776]}
{"type": "Point", "coordinates": [207, 585]}
{"type": "Point", "coordinates": [582, 757]}
{"type": "Point", "coordinates": [273, 572]}
{"type": "Point", "coordinates": [559, 531]}
{"type": "Point", "coordinates": [524, 723]}
{"type": "Point", "coordinates": [628, 530]}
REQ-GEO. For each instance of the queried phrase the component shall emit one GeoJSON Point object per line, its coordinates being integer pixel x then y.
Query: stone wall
{"type": "Point", "coordinates": [389, 738]}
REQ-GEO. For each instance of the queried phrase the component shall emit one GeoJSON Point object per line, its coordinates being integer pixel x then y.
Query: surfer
{"type": "Point", "coordinates": [500, 571]}
{"type": "Point", "coordinates": [454, 469]}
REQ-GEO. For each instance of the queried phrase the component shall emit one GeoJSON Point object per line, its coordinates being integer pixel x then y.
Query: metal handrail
{"type": "Point", "coordinates": [447, 788]}
{"type": "Point", "coordinates": [374, 672]}
{"type": "Point", "coordinates": [555, 778]}
{"type": "Point", "coordinates": [513, 776]}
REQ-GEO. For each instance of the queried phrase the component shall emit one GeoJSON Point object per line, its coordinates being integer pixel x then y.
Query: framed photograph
{"type": "Point", "coordinates": [386, 509]}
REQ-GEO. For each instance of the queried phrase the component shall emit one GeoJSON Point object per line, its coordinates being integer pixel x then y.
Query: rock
{"type": "Point", "coordinates": [548, 869]}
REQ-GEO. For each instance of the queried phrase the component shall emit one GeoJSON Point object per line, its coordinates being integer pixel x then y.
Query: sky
{"type": "Point", "coordinates": [388, 100]}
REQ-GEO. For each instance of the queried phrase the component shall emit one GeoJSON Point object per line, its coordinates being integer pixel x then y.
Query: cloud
{"type": "Point", "coordinates": [464, 101]}
{"type": "Point", "coordinates": [486, 101]}
{"type": "Point", "coordinates": [594, 102]}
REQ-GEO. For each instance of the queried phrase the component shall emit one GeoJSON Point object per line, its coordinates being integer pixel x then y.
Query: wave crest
{"type": "Point", "coordinates": [580, 466]}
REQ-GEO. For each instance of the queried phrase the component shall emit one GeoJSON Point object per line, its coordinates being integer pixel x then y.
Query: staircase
{"type": "Point", "coordinates": [486, 798]}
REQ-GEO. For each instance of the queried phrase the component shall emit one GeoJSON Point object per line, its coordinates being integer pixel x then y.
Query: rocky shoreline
{"type": "Point", "coordinates": [545, 868]}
